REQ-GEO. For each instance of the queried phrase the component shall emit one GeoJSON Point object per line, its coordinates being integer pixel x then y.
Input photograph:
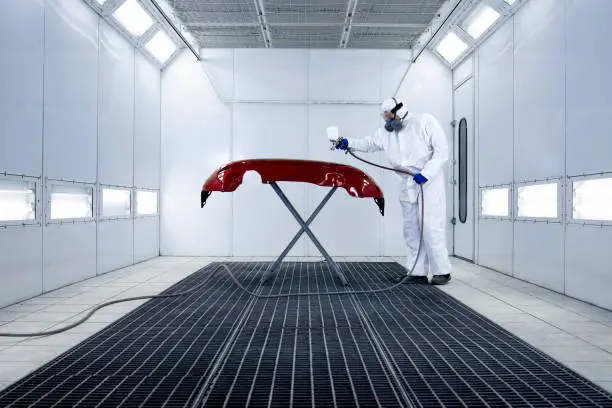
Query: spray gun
{"type": "Point", "coordinates": [334, 137]}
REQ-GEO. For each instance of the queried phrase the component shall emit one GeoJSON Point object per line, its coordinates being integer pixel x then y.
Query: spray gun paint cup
{"type": "Point", "coordinates": [332, 135]}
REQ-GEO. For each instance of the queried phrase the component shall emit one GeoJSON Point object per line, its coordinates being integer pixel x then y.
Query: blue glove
{"type": "Point", "coordinates": [419, 178]}
{"type": "Point", "coordinates": [342, 144]}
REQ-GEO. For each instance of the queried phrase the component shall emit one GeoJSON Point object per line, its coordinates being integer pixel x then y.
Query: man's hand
{"type": "Point", "coordinates": [341, 144]}
{"type": "Point", "coordinates": [419, 178]}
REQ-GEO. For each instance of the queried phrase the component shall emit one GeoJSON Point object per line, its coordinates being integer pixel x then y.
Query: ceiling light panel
{"type": "Point", "coordinates": [480, 20]}
{"type": "Point", "coordinates": [133, 17]}
{"type": "Point", "coordinates": [161, 46]}
{"type": "Point", "coordinates": [451, 47]}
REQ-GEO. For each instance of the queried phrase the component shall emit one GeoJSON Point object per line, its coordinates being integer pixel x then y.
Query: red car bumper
{"type": "Point", "coordinates": [354, 181]}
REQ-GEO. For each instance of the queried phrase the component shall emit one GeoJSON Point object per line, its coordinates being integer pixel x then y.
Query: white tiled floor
{"type": "Point", "coordinates": [575, 333]}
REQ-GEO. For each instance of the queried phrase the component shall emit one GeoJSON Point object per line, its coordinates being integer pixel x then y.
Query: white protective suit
{"type": "Point", "coordinates": [420, 147]}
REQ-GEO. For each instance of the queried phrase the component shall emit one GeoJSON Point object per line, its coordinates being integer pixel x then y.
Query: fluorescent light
{"type": "Point", "coordinates": [71, 202]}
{"type": "Point", "coordinates": [451, 47]}
{"type": "Point", "coordinates": [592, 199]}
{"type": "Point", "coordinates": [480, 20]}
{"type": "Point", "coordinates": [495, 202]}
{"type": "Point", "coordinates": [17, 200]}
{"type": "Point", "coordinates": [115, 202]}
{"type": "Point", "coordinates": [510, 2]}
{"type": "Point", "coordinates": [538, 201]}
{"type": "Point", "coordinates": [133, 17]}
{"type": "Point", "coordinates": [101, 2]}
{"type": "Point", "coordinates": [146, 202]}
{"type": "Point", "coordinates": [161, 46]}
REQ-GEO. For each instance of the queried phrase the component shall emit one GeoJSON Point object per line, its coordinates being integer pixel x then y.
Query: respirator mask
{"type": "Point", "coordinates": [393, 124]}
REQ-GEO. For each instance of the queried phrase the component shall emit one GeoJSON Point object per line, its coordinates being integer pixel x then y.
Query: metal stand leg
{"type": "Point", "coordinates": [304, 228]}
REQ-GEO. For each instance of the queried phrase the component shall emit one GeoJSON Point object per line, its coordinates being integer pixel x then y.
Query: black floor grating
{"type": "Point", "coordinates": [412, 346]}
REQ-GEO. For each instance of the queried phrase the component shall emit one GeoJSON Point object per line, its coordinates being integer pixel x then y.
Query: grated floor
{"type": "Point", "coordinates": [413, 346]}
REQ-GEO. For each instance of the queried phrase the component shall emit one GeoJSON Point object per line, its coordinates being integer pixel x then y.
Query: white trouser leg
{"type": "Point", "coordinates": [435, 228]}
{"type": "Point", "coordinates": [412, 235]}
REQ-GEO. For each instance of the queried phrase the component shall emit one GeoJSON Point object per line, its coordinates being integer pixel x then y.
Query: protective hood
{"type": "Point", "coordinates": [389, 104]}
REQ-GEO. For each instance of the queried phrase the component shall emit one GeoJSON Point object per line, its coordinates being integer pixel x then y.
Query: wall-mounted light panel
{"type": "Point", "coordinates": [592, 199]}
{"type": "Point", "coordinates": [17, 201]}
{"type": "Point", "coordinates": [146, 202]}
{"type": "Point", "coordinates": [115, 202]}
{"type": "Point", "coordinates": [495, 202]}
{"type": "Point", "coordinates": [538, 201]}
{"type": "Point", "coordinates": [70, 201]}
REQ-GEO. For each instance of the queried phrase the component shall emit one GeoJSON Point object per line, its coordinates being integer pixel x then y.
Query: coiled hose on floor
{"type": "Point", "coordinates": [242, 287]}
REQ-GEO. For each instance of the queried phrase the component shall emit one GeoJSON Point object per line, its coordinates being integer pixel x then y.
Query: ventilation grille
{"type": "Point", "coordinates": [412, 346]}
{"type": "Point", "coordinates": [303, 23]}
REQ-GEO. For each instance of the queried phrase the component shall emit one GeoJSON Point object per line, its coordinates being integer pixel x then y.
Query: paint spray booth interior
{"type": "Point", "coordinates": [305, 203]}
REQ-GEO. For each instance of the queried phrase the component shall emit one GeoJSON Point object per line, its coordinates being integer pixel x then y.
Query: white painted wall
{"type": "Point", "coordinates": [77, 104]}
{"type": "Point", "coordinates": [196, 139]}
{"type": "Point", "coordinates": [543, 111]}
{"type": "Point", "coordinates": [277, 104]}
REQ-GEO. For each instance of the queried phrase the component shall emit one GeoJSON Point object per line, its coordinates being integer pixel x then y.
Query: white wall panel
{"type": "Point", "coordinates": [347, 226]}
{"type": "Point", "coordinates": [147, 124]}
{"type": "Point", "coordinates": [21, 82]}
{"type": "Point", "coordinates": [589, 264]}
{"type": "Point", "coordinates": [538, 254]}
{"type": "Point", "coordinates": [116, 109]}
{"type": "Point", "coordinates": [495, 245]}
{"type": "Point", "coordinates": [146, 238]}
{"type": "Point", "coordinates": [70, 90]}
{"type": "Point", "coordinates": [115, 244]}
{"type": "Point", "coordinates": [553, 96]}
{"type": "Point", "coordinates": [589, 87]}
{"type": "Point", "coordinates": [273, 75]}
{"type": "Point", "coordinates": [187, 229]}
{"type": "Point", "coordinates": [428, 88]}
{"type": "Point", "coordinates": [258, 74]}
{"type": "Point", "coordinates": [463, 71]}
{"type": "Point", "coordinates": [69, 254]}
{"type": "Point", "coordinates": [345, 75]}
{"type": "Point", "coordinates": [196, 139]}
{"type": "Point", "coordinates": [218, 64]}
{"type": "Point", "coordinates": [20, 264]}
{"type": "Point", "coordinates": [540, 90]}
{"type": "Point", "coordinates": [393, 66]}
{"type": "Point", "coordinates": [270, 131]}
{"type": "Point", "coordinates": [57, 87]}
{"type": "Point", "coordinates": [495, 108]}
{"type": "Point", "coordinates": [262, 224]}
